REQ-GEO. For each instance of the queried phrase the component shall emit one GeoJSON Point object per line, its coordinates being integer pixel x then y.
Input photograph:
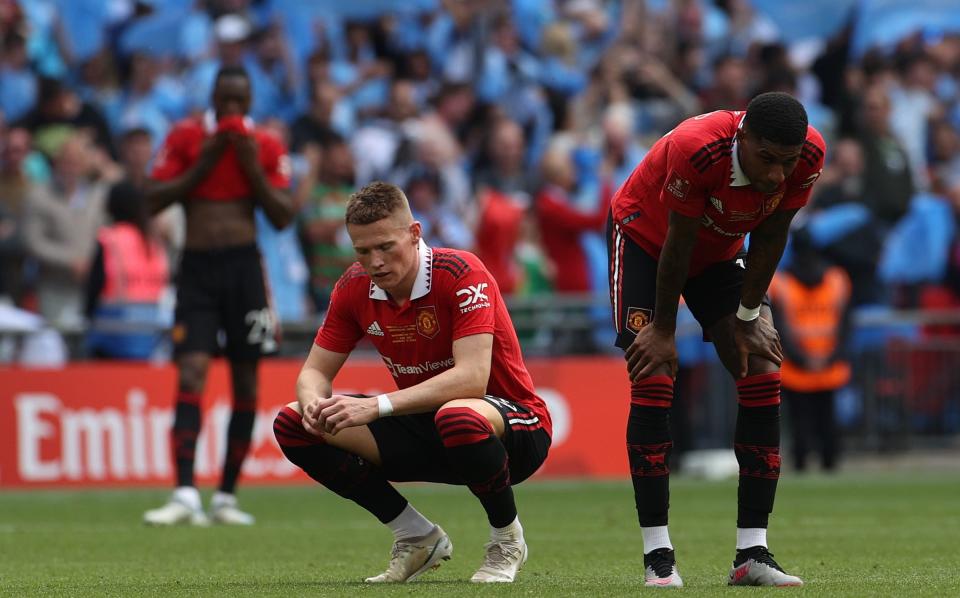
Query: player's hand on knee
{"type": "Point", "coordinates": [649, 351]}
{"type": "Point", "coordinates": [342, 412]}
{"type": "Point", "coordinates": [757, 337]}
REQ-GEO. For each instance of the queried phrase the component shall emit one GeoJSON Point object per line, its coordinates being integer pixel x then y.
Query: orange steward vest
{"type": "Point", "coordinates": [814, 316]}
{"type": "Point", "coordinates": [133, 275]}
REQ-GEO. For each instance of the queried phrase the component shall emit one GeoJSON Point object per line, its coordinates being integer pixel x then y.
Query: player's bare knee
{"type": "Point", "coordinates": [192, 372]}
{"type": "Point", "coordinates": [757, 365]}
{"type": "Point", "coordinates": [244, 378]}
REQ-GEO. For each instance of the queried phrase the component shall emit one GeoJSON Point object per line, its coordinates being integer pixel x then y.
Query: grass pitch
{"type": "Point", "coordinates": [852, 535]}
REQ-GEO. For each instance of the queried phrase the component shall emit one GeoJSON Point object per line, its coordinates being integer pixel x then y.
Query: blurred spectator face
{"type": "Point", "coordinates": [945, 141]}
{"type": "Point", "coordinates": [730, 76]}
{"type": "Point", "coordinates": [72, 162]}
{"type": "Point", "coordinates": [456, 104]}
{"type": "Point", "coordinates": [617, 126]}
{"type": "Point", "coordinates": [231, 96]}
{"type": "Point", "coordinates": [423, 193]}
{"type": "Point", "coordinates": [506, 146]}
{"type": "Point", "coordinates": [558, 42]}
{"type": "Point", "coordinates": [15, 149]}
{"type": "Point", "coordinates": [558, 169]}
{"type": "Point", "coordinates": [921, 74]}
{"type": "Point", "coordinates": [325, 96]}
{"type": "Point", "coordinates": [15, 50]}
{"type": "Point", "coordinates": [505, 37]}
{"type": "Point", "coordinates": [876, 109]}
{"type": "Point", "coordinates": [338, 163]}
{"type": "Point", "coordinates": [318, 67]}
{"type": "Point", "coordinates": [136, 150]}
{"type": "Point", "coordinates": [403, 104]}
{"type": "Point", "coordinates": [279, 128]}
{"type": "Point", "coordinates": [766, 164]}
{"type": "Point", "coordinates": [143, 72]}
{"type": "Point", "coordinates": [270, 45]}
{"type": "Point", "coordinates": [848, 158]}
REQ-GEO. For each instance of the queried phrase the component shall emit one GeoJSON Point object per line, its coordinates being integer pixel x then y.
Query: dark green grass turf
{"type": "Point", "coordinates": [877, 535]}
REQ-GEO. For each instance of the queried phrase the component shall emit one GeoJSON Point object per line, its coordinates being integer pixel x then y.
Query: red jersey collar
{"type": "Point", "coordinates": [421, 286]}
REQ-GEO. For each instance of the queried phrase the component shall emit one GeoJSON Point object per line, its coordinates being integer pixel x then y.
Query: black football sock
{"type": "Point", "coordinates": [342, 472]}
{"type": "Point", "coordinates": [757, 446]}
{"type": "Point", "coordinates": [186, 428]}
{"type": "Point", "coordinates": [481, 460]}
{"type": "Point", "coordinates": [648, 448]}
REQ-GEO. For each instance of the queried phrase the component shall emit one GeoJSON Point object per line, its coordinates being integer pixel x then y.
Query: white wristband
{"type": "Point", "coordinates": [748, 314]}
{"type": "Point", "coordinates": [384, 405]}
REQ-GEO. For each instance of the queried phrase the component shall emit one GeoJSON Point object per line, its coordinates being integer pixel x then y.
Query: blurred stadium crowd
{"type": "Point", "coordinates": [508, 123]}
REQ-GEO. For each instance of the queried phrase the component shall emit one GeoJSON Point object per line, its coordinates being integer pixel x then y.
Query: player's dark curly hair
{"type": "Point", "coordinates": [375, 201]}
{"type": "Point", "coordinates": [777, 117]}
{"type": "Point", "coordinates": [231, 71]}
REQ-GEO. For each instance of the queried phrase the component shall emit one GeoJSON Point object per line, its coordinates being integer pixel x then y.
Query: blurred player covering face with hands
{"type": "Point", "coordinates": [220, 168]}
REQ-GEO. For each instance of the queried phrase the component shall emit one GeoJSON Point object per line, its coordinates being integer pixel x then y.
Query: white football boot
{"type": "Point", "coordinates": [183, 508]}
{"type": "Point", "coordinates": [660, 569]}
{"type": "Point", "coordinates": [224, 511]}
{"type": "Point", "coordinates": [755, 567]}
{"type": "Point", "coordinates": [502, 562]}
{"type": "Point", "coordinates": [411, 558]}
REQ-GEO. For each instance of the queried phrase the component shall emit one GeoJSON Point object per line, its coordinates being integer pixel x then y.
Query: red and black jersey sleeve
{"type": "Point", "coordinates": [341, 330]}
{"type": "Point", "coordinates": [808, 170]}
{"type": "Point", "coordinates": [469, 292]}
{"type": "Point", "coordinates": [685, 187]}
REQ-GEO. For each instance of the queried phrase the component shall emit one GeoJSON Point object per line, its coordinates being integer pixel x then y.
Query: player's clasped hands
{"type": "Point", "coordinates": [339, 412]}
{"type": "Point", "coordinates": [650, 350]}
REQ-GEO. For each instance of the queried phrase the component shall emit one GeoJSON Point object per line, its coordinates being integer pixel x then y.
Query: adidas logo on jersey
{"type": "Point", "coordinates": [374, 329]}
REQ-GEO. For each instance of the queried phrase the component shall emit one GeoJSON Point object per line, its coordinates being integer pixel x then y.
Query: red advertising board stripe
{"type": "Point", "coordinates": [107, 424]}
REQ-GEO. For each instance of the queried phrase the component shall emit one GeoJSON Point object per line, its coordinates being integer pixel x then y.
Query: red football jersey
{"type": "Point", "coordinates": [453, 296]}
{"type": "Point", "coordinates": [694, 170]}
{"type": "Point", "coordinates": [226, 180]}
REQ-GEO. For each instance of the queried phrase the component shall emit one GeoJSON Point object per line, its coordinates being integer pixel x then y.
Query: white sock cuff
{"type": "Point", "coordinates": [223, 499]}
{"type": "Point", "coordinates": [410, 524]}
{"type": "Point", "coordinates": [188, 495]}
{"type": "Point", "coordinates": [655, 537]}
{"type": "Point", "coordinates": [748, 537]}
{"type": "Point", "coordinates": [511, 531]}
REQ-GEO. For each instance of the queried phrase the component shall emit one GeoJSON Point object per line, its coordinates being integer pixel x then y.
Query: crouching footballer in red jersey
{"type": "Point", "coordinates": [465, 411]}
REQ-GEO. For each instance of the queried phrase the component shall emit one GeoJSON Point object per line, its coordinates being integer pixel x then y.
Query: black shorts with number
{"type": "Point", "coordinates": [711, 295]}
{"type": "Point", "coordinates": [224, 290]}
{"type": "Point", "coordinates": [411, 449]}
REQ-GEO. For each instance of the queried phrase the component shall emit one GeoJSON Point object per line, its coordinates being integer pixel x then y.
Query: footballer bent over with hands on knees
{"type": "Point", "coordinates": [677, 228]}
{"type": "Point", "coordinates": [465, 411]}
{"type": "Point", "coordinates": [219, 167]}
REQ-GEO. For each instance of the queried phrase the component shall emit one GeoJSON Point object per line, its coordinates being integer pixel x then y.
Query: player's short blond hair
{"type": "Point", "coordinates": [376, 201]}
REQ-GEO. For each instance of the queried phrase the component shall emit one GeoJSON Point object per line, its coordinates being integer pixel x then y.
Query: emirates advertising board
{"type": "Point", "coordinates": [108, 424]}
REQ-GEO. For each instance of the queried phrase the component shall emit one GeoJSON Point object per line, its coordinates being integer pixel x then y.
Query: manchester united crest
{"type": "Point", "coordinates": [427, 324]}
{"type": "Point", "coordinates": [770, 203]}
{"type": "Point", "coordinates": [637, 318]}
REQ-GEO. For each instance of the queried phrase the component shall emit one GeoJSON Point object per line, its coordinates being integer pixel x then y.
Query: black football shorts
{"type": "Point", "coordinates": [223, 305]}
